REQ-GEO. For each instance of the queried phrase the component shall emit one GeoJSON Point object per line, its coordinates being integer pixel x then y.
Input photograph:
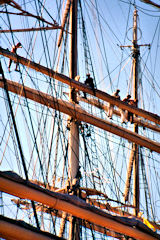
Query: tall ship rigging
{"type": "Point", "coordinates": [79, 119]}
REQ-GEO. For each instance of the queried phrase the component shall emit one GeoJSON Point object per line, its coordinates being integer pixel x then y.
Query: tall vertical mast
{"type": "Point", "coordinates": [135, 49]}
{"type": "Point", "coordinates": [134, 155]}
{"type": "Point", "coordinates": [73, 152]}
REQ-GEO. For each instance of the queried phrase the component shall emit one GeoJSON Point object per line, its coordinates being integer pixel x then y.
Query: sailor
{"type": "Point", "coordinates": [69, 120]}
{"type": "Point", "coordinates": [74, 91]}
{"type": "Point", "coordinates": [111, 106]}
{"type": "Point", "coordinates": [130, 114]}
{"type": "Point", "coordinates": [76, 182]}
{"type": "Point", "coordinates": [67, 187]}
{"type": "Point", "coordinates": [77, 78]}
{"type": "Point", "coordinates": [79, 175]}
{"type": "Point", "coordinates": [14, 50]}
{"type": "Point", "coordinates": [89, 82]}
{"type": "Point", "coordinates": [124, 113]}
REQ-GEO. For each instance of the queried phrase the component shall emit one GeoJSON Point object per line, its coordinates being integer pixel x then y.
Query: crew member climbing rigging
{"type": "Point", "coordinates": [14, 50]}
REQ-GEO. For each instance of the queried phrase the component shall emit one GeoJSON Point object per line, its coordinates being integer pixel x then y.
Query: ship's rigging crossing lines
{"type": "Point", "coordinates": [80, 114]}
{"type": "Point", "coordinates": [101, 95]}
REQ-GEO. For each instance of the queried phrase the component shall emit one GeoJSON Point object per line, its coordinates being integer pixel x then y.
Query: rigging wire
{"type": "Point", "coordinates": [32, 126]}
{"type": "Point", "coordinates": [92, 154]}
{"type": "Point", "coordinates": [32, 204]}
{"type": "Point", "coordinates": [105, 55]}
{"type": "Point", "coordinates": [141, 9]}
{"type": "Point", "coordinates": [18, 141]}
{"type": "Point", "coordinates": [124, 43]}
{"type": "Point", "coordinates": [146, 188]}
{"type": "Point", "coordinates": [106, 23]}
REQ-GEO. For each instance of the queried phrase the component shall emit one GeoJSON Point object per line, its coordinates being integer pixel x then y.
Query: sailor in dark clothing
{"type": "Point", "coordinates": [126, 115]}
{"type": "Point", "coordinates": [126, 100]}
{"type": "Point", "coordinates": [14, 50]}
{"type": "Point", "coordinates": [79, 175]}
{"type": "Point", "coordinates": [89, 82]}
{"type": "Point", "coordinates": [76, 182]}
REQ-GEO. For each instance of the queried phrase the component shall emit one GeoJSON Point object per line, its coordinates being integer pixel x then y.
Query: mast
{"type": "Point", "coordinates": [73, 149]}
{"type": "Point", "coordinates": [134, 155]}
{"type": "Point", "coordinates": [135, 49]}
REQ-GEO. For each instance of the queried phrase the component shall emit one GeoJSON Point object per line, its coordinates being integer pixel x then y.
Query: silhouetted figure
{"type": "Point", "coordinates": [89, 82]}
{"type": "Point", "coordinates": [14, 50]}
{"type": "Point", "coordinates": [111, 106]}
{"type": "Point", "coordinates": [76, 182]}
{"type": "Point", "coordinates": [79, 175]}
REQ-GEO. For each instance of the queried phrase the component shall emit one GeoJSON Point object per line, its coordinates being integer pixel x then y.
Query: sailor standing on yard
{"type": "Point", "coordinates": [111, 106]}
{"type": "Point", "coordinates": [130, 114]}
{"type": "Point", "coordinates": [74, 91]}
{"type": "Point", "coordinates": [124, 113]}
{"type": "Point", "coordinates": [89, 82]}
{"type": "Point", "coordinates": [14, 50]}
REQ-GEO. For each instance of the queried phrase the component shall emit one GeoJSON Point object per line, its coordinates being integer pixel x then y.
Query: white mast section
{"type": "Point", "coordinates": [73, 151]}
